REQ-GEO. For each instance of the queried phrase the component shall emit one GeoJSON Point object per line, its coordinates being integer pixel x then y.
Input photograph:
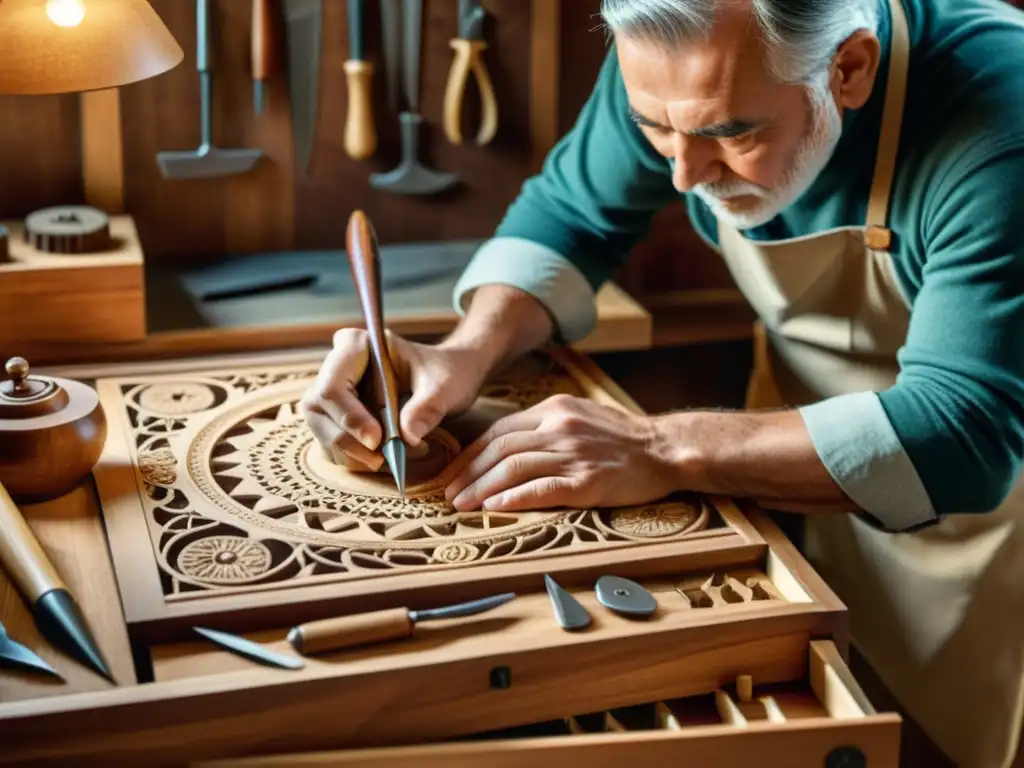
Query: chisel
{"type": "Point", "coordinates": [261, 50]}
{"type": "Point", "coordinates": [360, 133]}
{"type": "Point", "coordinates": [390, 624]}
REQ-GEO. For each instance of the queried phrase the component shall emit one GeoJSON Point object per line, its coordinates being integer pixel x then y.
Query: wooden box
{"type": "Point", "coordinates": [741, 664]}
{"type": "Point", "coordinates": [68, 298]}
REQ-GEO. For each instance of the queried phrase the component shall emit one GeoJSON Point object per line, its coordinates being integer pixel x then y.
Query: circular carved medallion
{"type": "Point", "coordinates": [655, 521]}
{"type": "Point", "coordinates": [224, 559]}
{"type": "Point", "coordinates": [176, 399]}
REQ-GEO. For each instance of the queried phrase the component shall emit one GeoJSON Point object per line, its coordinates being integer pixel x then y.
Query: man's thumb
{"type": "Point", "coordinates": [421, 414]}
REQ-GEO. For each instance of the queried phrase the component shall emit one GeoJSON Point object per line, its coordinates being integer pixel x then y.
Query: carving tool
{"type": "Point", "coordinates": [208, 160]}
{"type": "Point", "coordinates": [569, 613]}
{"type": "Point", "coordinates": [262, 51]}
{"type": "Point", "coordinates": [304, 20]}
{"type": "Point", "coordinates": [364, 262]}
{"type": "Point", "coordinates": [411, 177]}
{"type": "Point", "coordinates": [360, 133]}
{"type": "Point", "coordinates": [390, 624]}
{"type": "Point", "coordinates": [391, 43]}
{"type": "Point", "coordinates": [250, 650]}
{"type": "Point", "coordinates": [624, 596]}
{"type": "Point", "coordinates": [469, 48]}
{"type": "Point", "coordinates": [16, 654]}
{"type": "Point", "coordinates": [54, 609]}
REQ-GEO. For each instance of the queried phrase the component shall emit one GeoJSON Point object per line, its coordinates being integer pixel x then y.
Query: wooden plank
{"type": "Point", "coordinates": [70, 531]}
{"type": "Point", "coordinates": [769, 745]}
{"type": "Point", "coordinates": [102, 150]}
{"type": "Point", "coordinates": [545, 70]}
{"type": "Point", "coordinates": [372, 700]}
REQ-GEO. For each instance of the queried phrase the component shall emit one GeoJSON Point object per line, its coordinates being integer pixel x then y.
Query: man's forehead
{"type": "Point", "coordinates": [700, 84]}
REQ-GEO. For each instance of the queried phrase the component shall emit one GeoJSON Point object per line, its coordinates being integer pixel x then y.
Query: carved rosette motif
{"type": "Point", "coordinates": [239, 493]}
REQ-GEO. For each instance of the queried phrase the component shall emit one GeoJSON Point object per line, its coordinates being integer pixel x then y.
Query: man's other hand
{"type": "Point", "coordinates": [563, 452]}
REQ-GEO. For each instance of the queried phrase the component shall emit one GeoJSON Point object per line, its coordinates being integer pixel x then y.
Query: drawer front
{"type": "Point", "coordinates": [823, 719]}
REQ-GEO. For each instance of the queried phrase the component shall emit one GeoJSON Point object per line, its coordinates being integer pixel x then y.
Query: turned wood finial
{"type": "Point", "coordinates": [17, 370]}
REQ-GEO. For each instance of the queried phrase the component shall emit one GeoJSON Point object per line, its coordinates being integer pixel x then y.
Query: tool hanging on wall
{"type": "Point", "coordinates": [207, 161]}
{"type": "Point", "coordinates": [262, 51]}
{"type": "Point", "coordinates": [410, 177]}
{"type": "Point", "coordinates": [391, 44]}
{"type": "Point", "coordinates": [360, 133]}
{"type": "Point", "coordinates": [304, 22]}
{"type": "Point", "coordinates": [389, 624]}
{"type": "Point", "coordinates": [469, 47]}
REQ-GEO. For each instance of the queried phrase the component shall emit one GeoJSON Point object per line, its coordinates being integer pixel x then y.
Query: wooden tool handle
{"type": "Point", "coordinates": [348, 631]}
{"type": "Point", "coordinates": [361, 241]}
{"type": "Point", "coordinates": [469, 58]}
{"type": "Point", "coordinates": [21, 556]}
{"type": "Point", "coordinates": [360, 133]}
{"type": "Point", "coordinates": [262, 40]}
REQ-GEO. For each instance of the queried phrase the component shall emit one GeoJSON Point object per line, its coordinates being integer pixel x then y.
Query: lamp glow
{"type": "Point", "coordinates": [65, 13]}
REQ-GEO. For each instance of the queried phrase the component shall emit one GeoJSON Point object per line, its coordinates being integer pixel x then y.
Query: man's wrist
{"type": "Point", "coordinates": [501, 323]}
{"type": "Point", "coordinates": [680, 458]}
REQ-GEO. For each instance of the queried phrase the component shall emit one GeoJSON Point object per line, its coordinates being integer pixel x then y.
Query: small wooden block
{"type": "Point", "coordinates": [58, 298]}
{"type": "Point", "coordinates": [878, 238]}
{"type": "Point", "coordinates": [745, 688]}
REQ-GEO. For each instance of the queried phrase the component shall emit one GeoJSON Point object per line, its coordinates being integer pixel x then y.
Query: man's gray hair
{"type": "Point", "coordinates": [801, 35]}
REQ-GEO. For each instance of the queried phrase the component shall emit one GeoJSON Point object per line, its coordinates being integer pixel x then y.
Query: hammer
{"type": "Point", "coordinates": [410, 177]}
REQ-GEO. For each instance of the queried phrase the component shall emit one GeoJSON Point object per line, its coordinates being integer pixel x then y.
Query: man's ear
{"type": "Point", "coordinates": [855, 68]}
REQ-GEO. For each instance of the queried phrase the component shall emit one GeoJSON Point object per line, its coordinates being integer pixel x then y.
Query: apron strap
{"type": "Point", "coordinates": [878, 236]}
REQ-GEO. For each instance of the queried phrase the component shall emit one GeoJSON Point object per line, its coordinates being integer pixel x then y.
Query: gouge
{"type": "Point", "coordinates": [390, 624]}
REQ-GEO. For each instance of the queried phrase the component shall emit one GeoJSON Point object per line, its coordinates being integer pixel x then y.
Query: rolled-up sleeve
{"type": "Point", "coordinates": [948, 437]}
{"type": "Point", "coordinates": [573, 225]}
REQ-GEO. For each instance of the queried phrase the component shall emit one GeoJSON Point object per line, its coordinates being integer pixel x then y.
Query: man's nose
{"type": "Point", "coordinates": [695, 163]}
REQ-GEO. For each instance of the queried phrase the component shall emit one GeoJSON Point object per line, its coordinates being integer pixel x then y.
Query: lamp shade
{"type": "Point", "coordinates": [68, 46]}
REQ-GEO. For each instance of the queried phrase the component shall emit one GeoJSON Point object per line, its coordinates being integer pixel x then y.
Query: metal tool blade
{"type": "Point", "coordinates": [625, 596]}
{"type": "Point", "coordinates": [304, 22]}
{"type": "Point", "coordinates": [471, 20]}
{"type": "Point", "coordinates": [356, 46]}
{"type": "Point", "coordinates": [395, 455]}
{"type": "Point", "coordinates": [412, 27]}
{"type": "Point", "coordinates": [14, 653]}
{"type": "Point", "coordinates": [569, 612]}
{"type": "Point", "coordinates": [391, 43]}
{"type": "Point", "coordinates": [250, 650]}
{"type": "Point", "coordinates": [462, 609]}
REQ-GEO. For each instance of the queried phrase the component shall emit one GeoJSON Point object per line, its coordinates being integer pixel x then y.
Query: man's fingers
{"type": "Point", "coordinates": [421, 414]}
{"type": "Point", "coordinates": [338, 443]}
{"type": "Point", "coordinates": [511, 472]}
{"type": "Point", "coordinates": [524, 421]}
{"type": "Point", "coordinates": [471, 469]}
{"type": "Point", "coordinates": [540, 493]}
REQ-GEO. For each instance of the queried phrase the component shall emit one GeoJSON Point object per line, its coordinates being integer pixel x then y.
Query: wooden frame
{"type": "Point", "coordinates": [155, 614]}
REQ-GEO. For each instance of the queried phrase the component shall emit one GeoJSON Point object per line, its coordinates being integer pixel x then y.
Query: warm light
{"type": "Point", "coordinates": [65, 13]}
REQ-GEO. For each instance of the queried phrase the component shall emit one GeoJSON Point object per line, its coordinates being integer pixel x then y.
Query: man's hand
{"type": "Point", "coordinates": [563, 452]}
{"type": "Point", "coordinates": [442, 379]}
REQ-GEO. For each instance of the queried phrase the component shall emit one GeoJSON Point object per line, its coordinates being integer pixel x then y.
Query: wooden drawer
{"type": "Point", "coordinates": [820, 719]}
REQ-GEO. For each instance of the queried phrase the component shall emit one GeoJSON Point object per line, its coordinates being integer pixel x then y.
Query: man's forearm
{"type": "Point", "coordinates": [502, 323]}
{"type": "Point", "coordinates": [767, 456]}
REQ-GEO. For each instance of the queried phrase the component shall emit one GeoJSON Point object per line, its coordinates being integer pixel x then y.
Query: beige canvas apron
{"type": "Point", "coordinates": [939, 613]}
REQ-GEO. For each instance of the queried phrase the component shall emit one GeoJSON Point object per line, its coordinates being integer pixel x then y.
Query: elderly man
{"type": "Point", "coordinates": [859, 166]}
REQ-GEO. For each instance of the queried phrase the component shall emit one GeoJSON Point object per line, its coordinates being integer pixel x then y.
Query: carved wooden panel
{"type": "Point", "coordinates": [218, 500]}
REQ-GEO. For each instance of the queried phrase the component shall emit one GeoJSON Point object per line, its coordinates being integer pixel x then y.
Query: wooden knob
{"type": "Point", "coordinates": [17, 371]}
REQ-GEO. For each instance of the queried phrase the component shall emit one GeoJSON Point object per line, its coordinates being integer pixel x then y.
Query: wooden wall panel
{"type": "Point", "coordinates": [40, 153]}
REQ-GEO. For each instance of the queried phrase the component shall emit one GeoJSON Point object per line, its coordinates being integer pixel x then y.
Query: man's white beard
{"type": "Point", "coordinates": [813, 154]}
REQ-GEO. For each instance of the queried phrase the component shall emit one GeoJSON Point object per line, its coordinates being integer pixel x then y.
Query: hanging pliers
{"type": "Point", "coordinates": [469, 47]}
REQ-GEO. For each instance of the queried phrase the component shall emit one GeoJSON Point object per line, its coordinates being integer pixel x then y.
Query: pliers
{"type": "Point", "coordinates": [469, 47]}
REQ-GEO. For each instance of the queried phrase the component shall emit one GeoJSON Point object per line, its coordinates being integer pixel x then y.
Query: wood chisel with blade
{"type": "Point", "coordinates": [304, 25]}
{"type": "Point", "coordinates": [378, 626]}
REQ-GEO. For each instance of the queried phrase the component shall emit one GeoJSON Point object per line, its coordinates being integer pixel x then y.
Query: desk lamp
{"type": "Point", "coordinates": [56, 47]}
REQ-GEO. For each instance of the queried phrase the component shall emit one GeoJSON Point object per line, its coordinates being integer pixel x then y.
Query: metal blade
{"type": "Point", "coordinates": [17, 655]}
{"type": "Point", "coordinates": [471, 20]}
{"type": "Point", "coordinates": [304, 21]}
{"type": "Point", "coordinates": [395, 453]}
{"type": "Point", "coordinates": [462, 609]}
{"type": "Point", "coordinates": [250, 650]}
{"type": "Point", "coordinates": [356, 48]}
{"type": "Point", "coordinates": [391, 39]}
{"type": "Point", "coordinates": [569, 612]}
{"type": "Point", "coordinates": [412, 21]}
{"type": "Point", "coordinates": [625, 596]}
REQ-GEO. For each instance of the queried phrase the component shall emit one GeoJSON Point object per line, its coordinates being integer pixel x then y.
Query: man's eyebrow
{"type": "Point", "coordinates": [724, 130]}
